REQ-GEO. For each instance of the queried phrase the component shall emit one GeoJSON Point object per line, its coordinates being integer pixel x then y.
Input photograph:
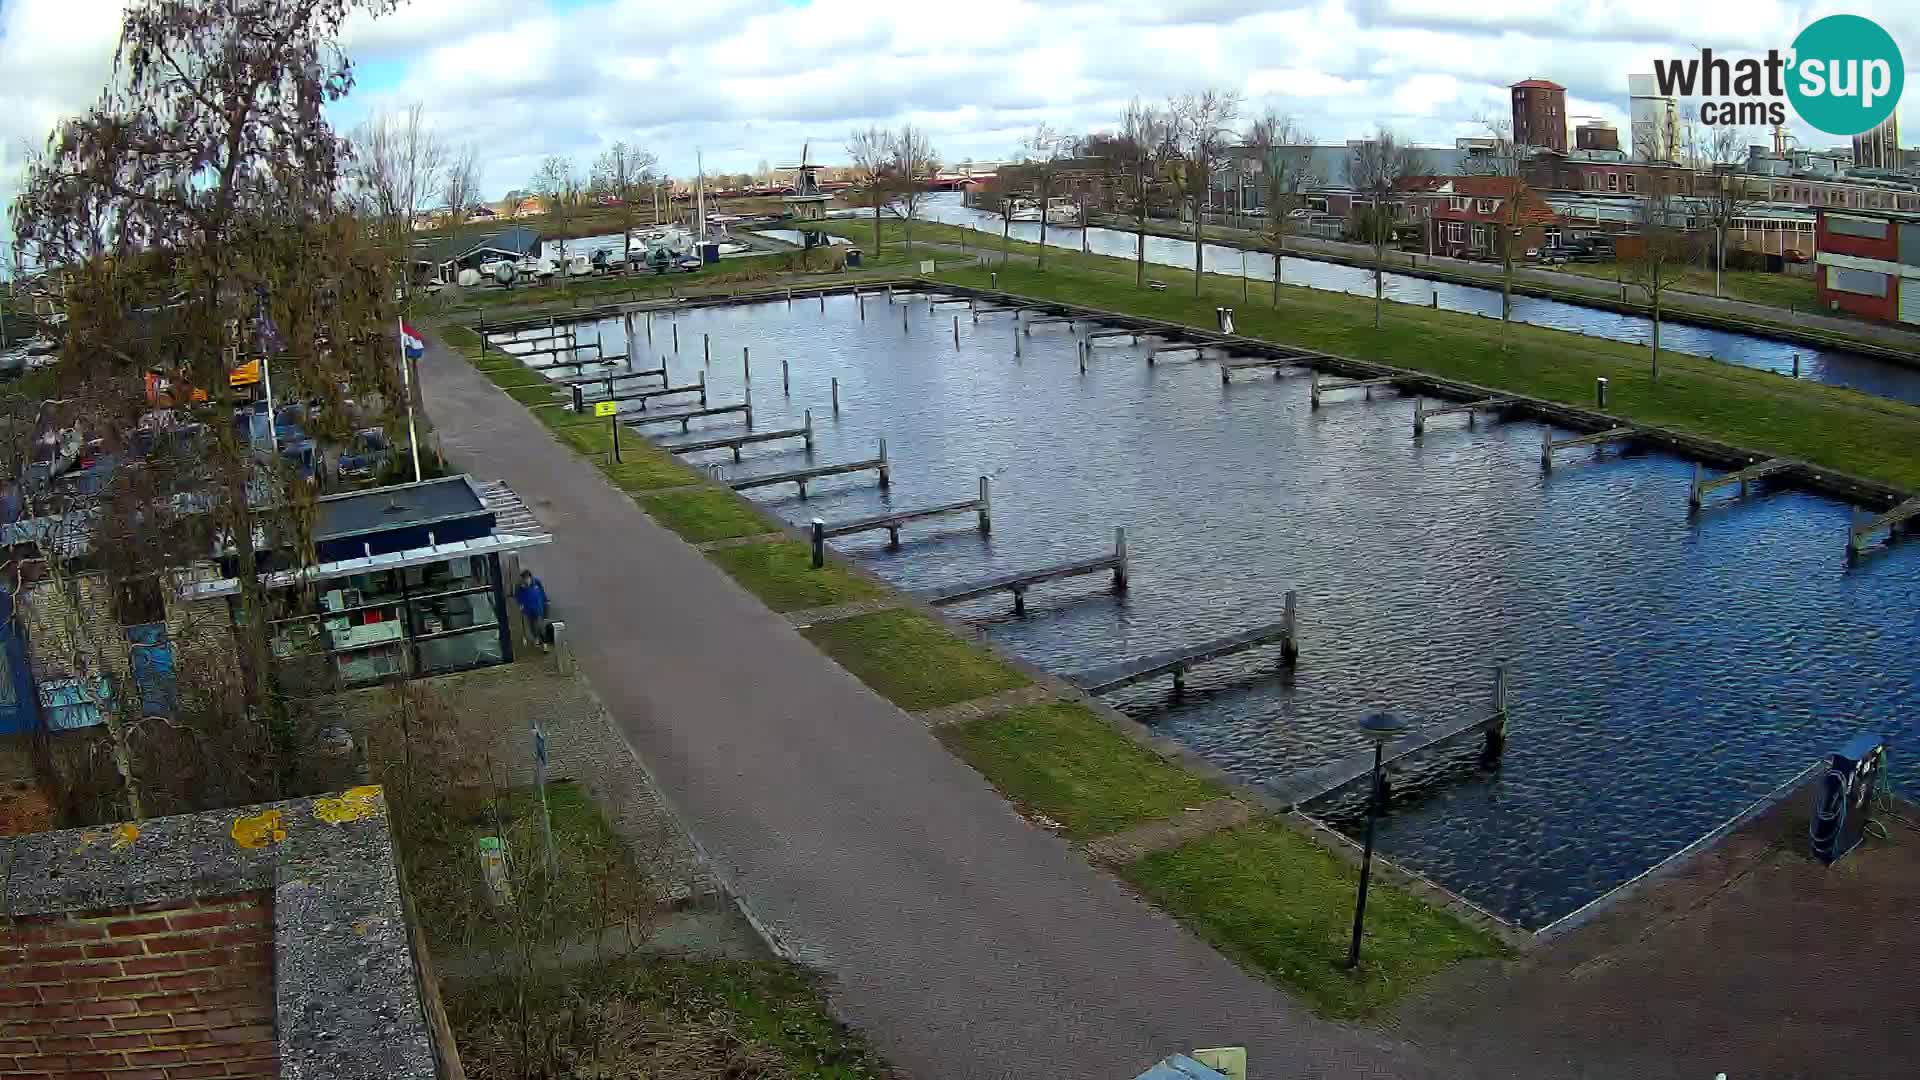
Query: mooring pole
{"type": "Point", "coordinates": [786, 388]}
{"type": "Point", "coordinates": [1600, 392]}
{"type": "Point", "coordinates": [746, 364]}
{"type": "Point", "coordinates": [984, 513]}
{"type": "Point", "coordinates": [706, 349]}
{"type": "Point", "coordinates": [1420, 417]}
{"type": "Point", "coordinates": [903, 315]}
{"type": "Point", "coordinates": [808, 428]}
{"type": "Point", "coordinates": [823, 303]}
{"type": "Point", "coordinates": [676, 337]}
{"type": "Point", "coordinates": [1120, 558]}
{"type": "Point", "coordinates": [1081, 352]}
{"type": "Point", "coordinates": [1693, 489]}
{"type": "Point", "coordinates": [819, 531]}
{"type": "Point", "coordinates": [861, 298]}
{"type": "Point", "coordinates": [956, 331]}
{"type": "Point", "coordinates": [613, 421]}
{"type": "Point", "coordinates": [1313, 392]}
{"type": "Point", "coordinates": [1290, 615]}
{"type": "Point", "coordinates": [1016, 342]}
{"type": "Point", "coordinates": [703, 389]}
{"type": "Point", "coordinates": [1497, 730]}
{"type": "Point", "coordinates": [836, 395]}
{"type": "Point", "coordinates": [1546, 450]}
{"type": "Point", "coordinates": [886, 476]}
{"type": "Point", "coordinates": [1796, 365]}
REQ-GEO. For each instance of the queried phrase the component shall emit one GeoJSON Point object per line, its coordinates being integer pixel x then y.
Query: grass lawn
{"type": "Point", "coordinates": [662, 1017]}
{"type": "Point", "coordinates": [1837, 428]}
{"type": "Point", "coordinates": [708, 514]}
{"type": "Point", "coordinates": [1753, 286]}
{"type": "Point", "coordinates": [1061, 759]}
{"type": "Point", "coordinates": [781, 574]}
{"type": "Point", "coordinates": [1282, 906]}
{"type": "Point", "coordinates": [597, 876]}
{"type": "Point", "coordinates": [643, 468]}
{"type": "Point", "coordinates": [911, 660]}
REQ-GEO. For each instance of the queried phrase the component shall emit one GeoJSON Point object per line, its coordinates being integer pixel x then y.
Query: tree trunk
{"type": "Point", "coordinates": [1140, 240]}
{"type": "Point", "coordinates": [1045, 191]}
{"type": "Point", "coordinates": [876, 229]}
{"type": "Point", "coordinates": [1199, 234]}
{"type": "Point", "coordinates": [1379, 271]}
{"type": "Point", "coordinates": [1006, 228]}
{"type": "Point", "coordinates": [909, 230]}
{"type": "Point", "coordinates": [1719, 255]}
{"type": "Point", "coordinates": [1506, 294]}
{"type": "Point", "coordinates": [1655, 341]}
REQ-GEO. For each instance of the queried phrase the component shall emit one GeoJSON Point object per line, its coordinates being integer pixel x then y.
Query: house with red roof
{"type": "Point", "coordinates": [1465, 216]}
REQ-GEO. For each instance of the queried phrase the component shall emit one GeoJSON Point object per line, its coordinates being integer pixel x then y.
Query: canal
{"type": "Point", "coordinates": [1863, 373]}
{"type": "Point", "coordinates": [1666, 670]}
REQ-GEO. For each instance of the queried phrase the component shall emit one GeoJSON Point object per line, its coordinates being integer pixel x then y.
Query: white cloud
{"type": "Point", "coordinates": [747, 80]}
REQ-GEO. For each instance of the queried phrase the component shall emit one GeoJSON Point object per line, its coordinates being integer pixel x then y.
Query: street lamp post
{"type": "Point", "coordinates": [1380, 727]}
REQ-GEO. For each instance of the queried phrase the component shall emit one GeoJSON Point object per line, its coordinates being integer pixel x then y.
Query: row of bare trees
{"type": "Point", "coordinates": [892, 169]}
{"type": "Point", "coordinates": [399, 169]}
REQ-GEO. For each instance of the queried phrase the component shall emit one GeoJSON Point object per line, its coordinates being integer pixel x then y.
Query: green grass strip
{"type": "Point", "coordinates": [1282, 906]}
{"type": "Point", "coordinates": [708, 514]}
{"type": "Point", "coordinates": [1826, 425]}
{"type": "Point", "coordinates": [913, 661]}
{"type": "Point", "coordinates": [1061, 759]}
{"type": "Point", "coordinates": [781, 574]}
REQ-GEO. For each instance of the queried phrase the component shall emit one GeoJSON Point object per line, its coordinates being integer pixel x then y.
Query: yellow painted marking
{"type": "Point", "coordinates": [259, 830]}
{"type": "Point", "coordinates": [352, 805]}
{"type": "Point", "coordinates": [124, 834]}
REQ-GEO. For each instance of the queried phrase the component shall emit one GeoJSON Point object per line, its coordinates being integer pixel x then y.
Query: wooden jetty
{"type": "Point", "coordinates": [735, 442]}
{"type": "Point", "coordinates": [1331, 386]}
{"type": "Point", "coordinates": [1019, 581]}
{"type": "Point", "coordinates": [589, 380]}
{"type": "Point", "coordinates": [1280, 365]}
{"type": "Point", "coordinates": [686, 417]}
{"type": "Point", "coordinates": [802, 477]}
{"type": "Point", "coordinates": [1697, 491]}
{"type": "Point", "coordinates": [644, 396]}
{"type": "Point", "coordinates": [1103, 335]}
{"type": "Point", "coordinates": [981, 506]}
{"type": "Point", "coordinates": [1050, 320]}
{"type": "Point", "coordinates": [1548, 444]}
{"type": "Point", "coordinates": [1891, 521]}
{"type": "Point", "coordinates": [618, 358]}
{"type": "Point", "coordinates": [1308, 785]}
{"type": "Point", "coordinates": [1421, 413]}
{"type": "Point", "coordinates": [979, 311]}
{"type": "Point", "coordinates": [1176, 661]}
{"type": "Point", "coordinates": [551, 350]}
{"type": "Point", "coordinates": [1198, 351]}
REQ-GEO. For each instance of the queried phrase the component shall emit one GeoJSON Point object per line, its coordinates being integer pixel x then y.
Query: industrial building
{"type": "Point", "coordinates": [1869, 264]}
{"type": "Point", "coordinates": [1540, 114]}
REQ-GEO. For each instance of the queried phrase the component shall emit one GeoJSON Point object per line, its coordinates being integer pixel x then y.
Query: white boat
{"type": "Point", "coordinates": [1061, 211]}
{"type": "Point", "coordinates": [580, 265]}
{"type": "Point", "coordinates": [1025, 210]}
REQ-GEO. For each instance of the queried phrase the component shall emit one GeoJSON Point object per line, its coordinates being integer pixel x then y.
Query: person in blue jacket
{"type": "Point", "coordinates": [532, 598]}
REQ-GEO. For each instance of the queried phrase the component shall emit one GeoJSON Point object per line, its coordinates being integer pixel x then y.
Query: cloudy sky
{"type": "Point", "coordinates": [751, 80]}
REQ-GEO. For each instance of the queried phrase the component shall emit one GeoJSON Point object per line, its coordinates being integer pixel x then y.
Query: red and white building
{"type": "Point", "coordinates": [1869, 264]}
{"type": "Point", "coordinates": [1464, 216]}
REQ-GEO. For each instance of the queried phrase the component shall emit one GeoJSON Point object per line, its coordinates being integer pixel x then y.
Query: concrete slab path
{"type": "Point", "coordinates": [964, 941]}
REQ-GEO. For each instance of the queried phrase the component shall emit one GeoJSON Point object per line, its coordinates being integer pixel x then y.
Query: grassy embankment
{"type": "Point", "coordinates": [1064, 763]}
{"type": "Point", "coordinates": [1773, 414]}
{"type": "Point", "coordinates": [1790, 291]}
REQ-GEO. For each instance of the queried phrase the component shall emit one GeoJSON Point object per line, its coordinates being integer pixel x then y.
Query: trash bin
{"type": "Point", "coordinates": [853, 256]}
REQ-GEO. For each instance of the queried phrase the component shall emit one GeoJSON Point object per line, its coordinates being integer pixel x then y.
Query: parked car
{"type": "Point", "coordinates": [1795, 255]}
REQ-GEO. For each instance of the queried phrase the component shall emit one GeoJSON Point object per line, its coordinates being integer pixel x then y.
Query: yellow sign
{"type": "Point", "coordinates": [605, 408]}
{"type": "Point", "coordinates": [1228, 1060]}
{"type": "Point", "coordinates": [246, 374]}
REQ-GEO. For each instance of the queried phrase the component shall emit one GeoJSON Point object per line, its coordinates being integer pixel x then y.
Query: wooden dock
{"type": "Point", "coordinates": [1176, 661]}
{"type": "Point", "coordinates": [686, 416]}
{"type": "Point", "coordinates": [981, 506]}
{"type": "Point", "coordinates": [618, 358]}
{"type": "Point", "coordinates": [735, 442]}
{"type": "Point", "coordinates": [1319, 388]}
{"type": "Point", "coordinates": [1198, 351]}
{"type": "Point", "coordinates": [1103, 335]}
{"type": "Point", "coordinates": [551, 350]}
{"type": "Point", "coordinates": [644, 396]}
{"type": "Point", "coordinates": [1019, 581]}
{"type": "Point", "coordinates": [1310, 784]}
{"type": "Point", "coordinates": [1891, 521]}
{"type": "Point", "coordinates": [802, 477]}
{"type": "Point", "coordinates": [1281, 365]}
{"type": "Point", "coordinates": [1051, 320]}
{"type": "Point", "coordinates": [589, 380]}
{"type": "Point", "coordinates": [1421, 414]}
{"type": "Point", "coordinates": [1549, 444]}
{"type": "Point", "coordinates": [1697, 491]}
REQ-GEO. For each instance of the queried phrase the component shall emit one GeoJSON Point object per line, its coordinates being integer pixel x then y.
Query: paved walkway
{"type": "Point", "coordinates": [964, 941]}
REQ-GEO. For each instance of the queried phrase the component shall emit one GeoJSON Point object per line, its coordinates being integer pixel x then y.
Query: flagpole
{"type": "Point", "coordinates": [273, 432]}
{"type": "Point", "coordinates": [406, 380]}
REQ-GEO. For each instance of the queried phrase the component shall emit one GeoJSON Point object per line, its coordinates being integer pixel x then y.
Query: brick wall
{"type": "Point", "coordinates": [158, 992]}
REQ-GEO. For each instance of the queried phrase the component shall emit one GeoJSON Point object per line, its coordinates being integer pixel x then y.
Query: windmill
{"type": "Point", "coordinates": [808, 202]}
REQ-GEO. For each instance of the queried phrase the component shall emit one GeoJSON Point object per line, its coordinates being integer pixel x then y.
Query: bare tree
{"type": "Point", "coordinates": [1378, 166]}
{"type": "Point", "coordinates": [460, 186]}
{"type": "Point", "coordinates": [1284, 153]}
{"type": "Point", "coordinates": [1514, 203]}
{"type": "Point", "coordinates": [871, 151]}
{"type": "Point", "coordinates": [1145, 135]}
{"type": "Point", "coordinates": [623, 173]}
{"type": "Point", "coordinates": [194, 216]}
{"type": "Point", "coordinates": [914, 163]}
{"type": "Point", "coordinates": [559, 187]}
{"type": "Point", "coordinates": [1042, 151]}
{"type": "Point", "coordinates": [399, 167]}
{"type": "Point", "coordinates": [1722, 190]}
{"type": "Point", "coordinates": [1657, 257]}
{"type": "Point", "coordinates": [1203, 130]}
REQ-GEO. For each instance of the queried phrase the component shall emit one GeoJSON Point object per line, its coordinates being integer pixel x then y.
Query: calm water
{"type": "Point", "coordinates": [1839, 368]}
{"type": "Point", "coordinates": [1665, 671]}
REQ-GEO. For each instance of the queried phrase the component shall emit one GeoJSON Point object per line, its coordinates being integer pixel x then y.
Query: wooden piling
{"type": "Point", "coordinates": [1016, 343]}
{"type": "Point", "coordinates": [886, 474]}
{"type": "Point", "coordinates": [1290, 645]}
{"type": "Point", "coordinates": [903, 317]}
{"type": "Point", "coordinates": [823, 303]}
{"type": "Point", "coordinates": [808, 424]}
{"type": "Point", "coordinates": [1796, 365]}
{"type": "Point", "coordinates": [985, 514]}
{"type": "Point", "coordinates": [1081, 352]}
{"type": "Point", "coordinates": [706, 349]}
{"type": "Point", "coordinates": [746, 364]}
{"type": "Point", "coordinates": [862, 299]}
{"type": "Point", "coordinates": [1419, 417]}
{"type": "Point", "coordinates": [676, 338]}
{"type": "Point", "coordinates": [1120, 558]}
{"type": "Point", "coordinates": [1497, 728]}
{"type": "Point", "coordinates": [703, 389]}
{"type": "Point", "coordinates": [786, 388]}
{"type": "Point", "coordinates": [836, 395]}
{"type": "Point", "coordinates": [956, 331]}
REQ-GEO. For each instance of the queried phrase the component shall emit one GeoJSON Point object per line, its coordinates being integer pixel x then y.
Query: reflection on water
{"type": "Point", "coordinates": [1665, 670]}
{"type": "Point", "coordinates": [1838, 368]}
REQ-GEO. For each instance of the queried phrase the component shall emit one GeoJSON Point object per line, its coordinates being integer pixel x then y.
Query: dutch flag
{"type": "Point", "coordinates": [411, 343]}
